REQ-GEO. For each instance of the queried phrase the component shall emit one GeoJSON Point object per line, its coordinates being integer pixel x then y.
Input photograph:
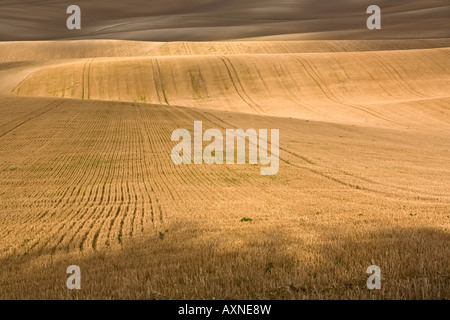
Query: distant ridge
{"type": "Point", "coordinates": [213, 20]}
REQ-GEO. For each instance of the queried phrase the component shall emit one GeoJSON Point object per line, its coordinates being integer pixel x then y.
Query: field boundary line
{"type": "Point", "coordinates": [32, 118]}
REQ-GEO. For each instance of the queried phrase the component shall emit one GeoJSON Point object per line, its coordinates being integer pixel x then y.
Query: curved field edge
{"type": "Point", "coordinates": [76, 49]}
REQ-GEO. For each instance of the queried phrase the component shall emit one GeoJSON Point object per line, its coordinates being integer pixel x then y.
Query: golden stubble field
{"type": "Point", "coordinates": [86, 176]}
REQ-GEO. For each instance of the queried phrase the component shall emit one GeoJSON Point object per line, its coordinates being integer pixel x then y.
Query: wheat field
{"type": "Point", "coordinates": [86, 177]}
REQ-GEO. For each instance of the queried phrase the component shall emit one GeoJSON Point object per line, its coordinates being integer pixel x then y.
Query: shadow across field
{"type": "Point", "coordinates": [196, 260]}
